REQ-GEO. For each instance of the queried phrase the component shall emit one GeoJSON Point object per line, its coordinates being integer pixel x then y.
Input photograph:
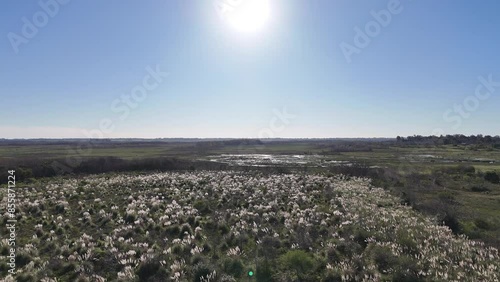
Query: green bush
{"type": "Point", "coordinates": [185, 228]}
{"type": "Point", "coordinates": [298, 262]}
{"type": "Point", "coordinates": [492, 177]}
{"type": "Point", "coordinates": [22, 259]}
{"type": "Point", "coordinates": [406, 271]}
{"type": "Point", "coordinates": [482, 224]}
{"type": "Point", "coordinates": [333, 255]}
{"type": "Point", "coordinates": [333, 277]}
{"type": "Point", "coordinates": [264, 272]}
{"type": "Point", "coordinates": [147, 269]}
{"type": "Point", "coordinates": [202, 270]}
{"type": "Point", "coordinates": [203, 207]}
{"type": "Point", "coordinates": [360, 236]}
{"type": "Point", "coordinates": [451, 220]}
{"type": "Point", "coordinates": [66, 269]}
{"type": "Point", "coordinates": [447, 197]}
{"type": "Point", "coordinates": [407, 242]}
{"type": "Point", "coordinates": [24, 174]}
{"type": "Point", "coordinates": [479, 189]}
{"type": "Point", "coordinates": [234, 267]}
{"type": "Point", "coordinates": [25, 277]}
{"type": "Point", "coordinates": [129, 218]}
{"type": "Point", "coordinates": [270, 247]}
{"type": "Point", "coordinates": [173, 230]}
{"type": "Point", "coordinates": [384, 258]}
{"type": "Point", "coordinates": [224, 228]}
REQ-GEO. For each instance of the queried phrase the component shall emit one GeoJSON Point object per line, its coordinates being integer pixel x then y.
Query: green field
{"type": "Point", "coordinates": [444, 181]}
{"type": "Point", "coordinates": [379, 154]}
{"type": "Point", "coordinates": [224, 225]}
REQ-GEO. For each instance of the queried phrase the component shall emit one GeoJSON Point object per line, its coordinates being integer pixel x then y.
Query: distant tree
{"type": "Point", "coordinates": [456, 139]}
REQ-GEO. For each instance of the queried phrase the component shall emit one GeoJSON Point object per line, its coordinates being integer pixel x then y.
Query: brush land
{"type": "Point", "coordinates": [402, 209]}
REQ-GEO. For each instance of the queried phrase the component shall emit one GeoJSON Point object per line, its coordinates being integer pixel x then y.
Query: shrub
{"type": "Point", "coordinates": [482, 224]}
{"type": "Point", "coordinates": [407, 270]}
{"type": "Point", "coordinates": [270, 247]}
{"type": "Point", "coordinates": [185, 228]}
{"type": "Point", "coordinates": [348, 248]}
{"type": "Point", "coordinates": [22, 259]}
{"type": "Point", "coordinates": [452, 222]}
{"type": "Point", "coordinates": [460, 170]}
{"type": "Point", "coordinates": [4, 267]}
{"type": "Point", "coordinates": [333, 277]}
{"type": "Point", "coordinates": [360, 237]}
{"type": "Point", "coordinates": [59, 208]}
{"type": "Point", "coordinates": [147, 269]}
{"type": "Point", "coordinates": [479, 189]}
{"type": "Point", "coordinates": [407, 242]}
{"type": "Point", "coordinates": [202, 270]}
{"type": "Point", "coordinates": [173, 230]}
{"type": "Point", "coordinates": [297, 261]}
{"type": "Point", "coordinates": [129, 218]}
{"type": "Point", "coordinates": [333, 255]}
{"type": "Point", "coordinates": [203, 207]}
{"type": "Point", "coordinates": [66, 268]}
{"type": "Point", "coordinates": [492, 177]}
{"type": "Point", "coordinates": [177, 249]}
{"type": "Point", "coordinates": [234, 267]}
{"type": "Point", "coordinates": [447, 197]}
{"type": "Point", "coordinates": [264, 272]}
{"type": "Point", "coordinates": [25, 277]}
{"type": "Point", "coordinates": [24, 174]}
{"type": "Point", "coordinates": [470, 229]}
{"type": "Point", "coordinates": [196, 259]}
{"type": "Point", "coordinates": [466, 169]}
{"type": "Point", "coordinates": [223, 228]}
{"type": "Point", "coordinates": [384, 259]}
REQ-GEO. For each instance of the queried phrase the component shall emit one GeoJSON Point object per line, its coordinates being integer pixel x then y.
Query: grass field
{"type": "Point", "coordinates": [220, 226]}
{"type": "Point", "coordinates": [445, 181]}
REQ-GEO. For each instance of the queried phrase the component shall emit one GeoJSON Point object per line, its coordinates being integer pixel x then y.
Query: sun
{"type": "Point", "coordinates": [248, 15]}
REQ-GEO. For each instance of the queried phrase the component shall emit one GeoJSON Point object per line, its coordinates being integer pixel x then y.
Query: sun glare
{"type": "Point", "coordinates": [249, 15]}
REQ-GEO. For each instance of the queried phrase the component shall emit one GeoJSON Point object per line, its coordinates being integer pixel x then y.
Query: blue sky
{"type": "Point", "coordinates": [418, 75]}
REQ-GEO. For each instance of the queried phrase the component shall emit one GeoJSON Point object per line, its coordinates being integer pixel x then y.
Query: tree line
{"type": "Point", "coordinates": [456, 139]}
